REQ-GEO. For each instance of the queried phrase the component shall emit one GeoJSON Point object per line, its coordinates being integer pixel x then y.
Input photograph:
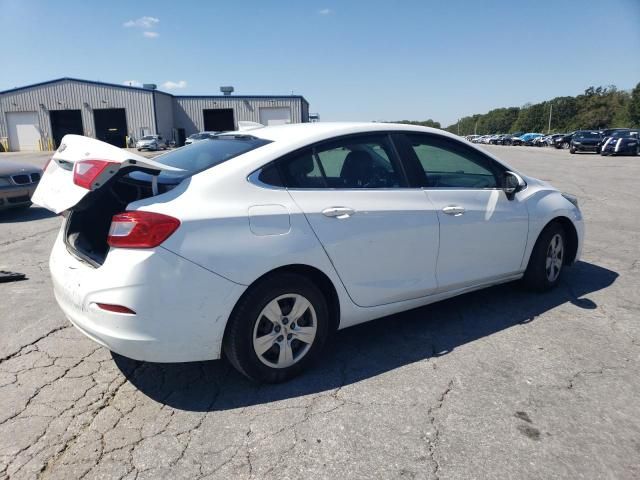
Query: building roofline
{"type": "Point", "coordinates": [140, 89]}
{"type": "Point", "coordinates": [91, 82]}
{"type": "Point", "coordinates": [243, 97]}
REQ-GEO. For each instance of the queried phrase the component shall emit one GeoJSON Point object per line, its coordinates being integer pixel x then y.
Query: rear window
{"type": "Point", "coordinates": [208, 153]}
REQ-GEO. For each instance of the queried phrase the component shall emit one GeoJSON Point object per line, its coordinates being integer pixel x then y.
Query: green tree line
{"type": "Point", "coordinates": [597, 107]}
{"type": "Point", "coordinates": [422, 123]}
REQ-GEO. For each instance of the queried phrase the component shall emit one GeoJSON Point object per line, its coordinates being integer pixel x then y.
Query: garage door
{"type": "Point", "coordinates": [24, 131]}
{"type": "Point", "coordinates": [275, 115]}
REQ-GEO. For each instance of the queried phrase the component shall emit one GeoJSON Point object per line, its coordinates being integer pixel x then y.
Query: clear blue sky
{"type": "Point", "coordinates": [356, 60]}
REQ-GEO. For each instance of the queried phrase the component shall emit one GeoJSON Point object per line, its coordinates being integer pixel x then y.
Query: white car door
{"type": "Point", "coordinates": [380, 236]}
{"type": "Point", "coordinates": [483, 233]}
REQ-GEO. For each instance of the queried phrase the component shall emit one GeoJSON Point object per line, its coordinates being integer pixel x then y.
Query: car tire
{"type": "Point", "coordinates": [572, 150]}
{"type": "Point", "coordinates": [269, 350]}
{"type": "Point", "coordinates": [139, 149]}
{"type": "Point", "coordinates": [565, 145]}
{"type": "Point", "coordinates": [547, 259]}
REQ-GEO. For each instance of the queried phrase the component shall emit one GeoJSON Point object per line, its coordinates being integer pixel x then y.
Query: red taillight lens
{"type": "Point", "coordinates": [86, 172]}
{"type": "Point", "coordinates": [140, 229]}
{"type": "Point", "coordinates": [115, 308]}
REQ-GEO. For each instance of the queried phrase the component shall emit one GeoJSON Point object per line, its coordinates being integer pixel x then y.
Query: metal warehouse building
{"type": "Point", "coordinates": [36, 117]}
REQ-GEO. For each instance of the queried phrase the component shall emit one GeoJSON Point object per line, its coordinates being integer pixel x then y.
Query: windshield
{"type": "Point", "coordinates": [588, 135]}
{"type": "Point", "coordinates": [199, 136]}
{"type": "Point", "coordinates": [148, 137]}
{"type": "Point", "coordinates": [622, 133]}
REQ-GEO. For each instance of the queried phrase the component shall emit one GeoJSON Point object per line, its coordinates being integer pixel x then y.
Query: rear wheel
{"type": "Point", "coordinates": [278, 328]}
{"type": "Point", "coordinates": [547, 259]}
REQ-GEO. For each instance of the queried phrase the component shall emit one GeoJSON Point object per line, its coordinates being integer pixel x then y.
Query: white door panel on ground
{"type": "Point", "coordinates": [24, 131]}
{"type": "Point", "coordinates": [483, 234]}
{"type": "Point", "coordinates": [386, 250]}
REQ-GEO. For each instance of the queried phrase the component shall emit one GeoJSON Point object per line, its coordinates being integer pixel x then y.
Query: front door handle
{"type": "Point", "coordinates": [454, 210]}
{"type": "Point", "coordinates": [338, 212]}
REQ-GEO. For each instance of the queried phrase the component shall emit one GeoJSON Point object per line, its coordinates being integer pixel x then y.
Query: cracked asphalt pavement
{"type": "Point", "coordinates": [500, 383]}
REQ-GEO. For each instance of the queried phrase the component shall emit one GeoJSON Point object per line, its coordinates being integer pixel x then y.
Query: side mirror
{"type": "Point", "coordinates": [513, 183]}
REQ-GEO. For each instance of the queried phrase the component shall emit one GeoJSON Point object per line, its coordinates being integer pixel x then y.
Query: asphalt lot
{"type": "Point", "coordinates": [500, 383]}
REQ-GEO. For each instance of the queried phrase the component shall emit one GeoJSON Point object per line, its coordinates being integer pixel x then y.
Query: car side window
{"type": "Point", "coordinates": [351, 162]}
{"type": "Point", "coordinates": [302, 171]}
{"type": "Point", "coordinates": [450, 164]}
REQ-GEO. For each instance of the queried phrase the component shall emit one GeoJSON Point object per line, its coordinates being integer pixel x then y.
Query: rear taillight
{"type": "Point", "coordinates": [86, 172]}
{"type": "Point", "coordinates": [140, 229]}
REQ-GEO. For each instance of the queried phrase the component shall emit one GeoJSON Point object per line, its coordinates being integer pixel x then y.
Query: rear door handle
{"type": "Point", "coordinates": [338, 212]}
{"type": "Point", "coordinates": [454, 210]}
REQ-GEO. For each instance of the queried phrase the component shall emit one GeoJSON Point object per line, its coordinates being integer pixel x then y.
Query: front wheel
{"type": "Point", "coordinates": [572, 150]}
{"type": "Point", "coordinates": [547, 259]}
{"type": "Point", "coordinates": [277, 329]}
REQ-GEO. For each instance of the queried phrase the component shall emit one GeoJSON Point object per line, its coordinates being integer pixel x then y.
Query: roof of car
{"type": "Point", "coordinates": [320, 130]}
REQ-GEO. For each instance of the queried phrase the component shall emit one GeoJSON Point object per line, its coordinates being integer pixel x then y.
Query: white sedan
{"type": "Point", "coordinates": [259, 244]}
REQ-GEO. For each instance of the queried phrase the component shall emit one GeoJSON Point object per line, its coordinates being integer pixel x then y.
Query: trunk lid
{"type": "Point", "coordinates": [58, 192]}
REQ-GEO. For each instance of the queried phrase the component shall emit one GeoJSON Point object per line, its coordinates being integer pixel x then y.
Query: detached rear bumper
{"type": "Point", "coordinates": [181, 309]}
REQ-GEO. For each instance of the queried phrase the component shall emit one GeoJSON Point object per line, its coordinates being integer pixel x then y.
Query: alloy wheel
{"type": "Point", "coordinates": [285, 330]}
{"type": "Point", "coordinates": [555, 256]}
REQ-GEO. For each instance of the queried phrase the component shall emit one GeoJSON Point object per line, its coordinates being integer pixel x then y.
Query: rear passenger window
{"type": "Point", "coordinates": [352, 162]}
{"type": "Point", "coordinates": [302, 171]}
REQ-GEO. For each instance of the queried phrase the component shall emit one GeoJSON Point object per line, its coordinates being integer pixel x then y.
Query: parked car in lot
{"type": "Point", "coordinates": [564, 141]}
{"type": "Point", "coordinates": [196, 137]}
{"type": "Point", "coordinates": [621, 142]}
{"type": "Point", "coordinates": [507, 139]}
{"type": "Point", "coordinates": [516, 141]}
{"type": "Point", "coordinates": [261, 244]}
{"type": "Point", "coordinates": [528, 138]}
{"type": "Point", "coordinates": [151, 142]}
{"type": "Point", "coordinates": [18, 181]}
{"type": "Point", "coordinates": [585, 141]}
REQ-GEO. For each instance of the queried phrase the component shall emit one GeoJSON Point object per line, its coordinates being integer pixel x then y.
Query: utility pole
{"type": "Point", "coordinates": [458, 127]}
{"type": "Point", "coordinates": [550, 111]}
{"type": "Point", "coordinates": [475, 129]}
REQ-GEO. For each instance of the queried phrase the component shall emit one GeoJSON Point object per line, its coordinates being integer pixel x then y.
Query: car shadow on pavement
{"type": "Point", "coordinates": [370, 349]}
{"type": "Point", "coordinates": [24, 214]}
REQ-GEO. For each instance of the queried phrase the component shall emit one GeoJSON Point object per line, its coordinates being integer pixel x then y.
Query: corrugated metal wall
{"type": "Point", "coordinates": [164, 114]}
{"type": "Point", "coordinates": [187, 111]}
{"type": "Point", "coordinates": [153, 111]}
{"type": "Point", "coordinates": [72, 95]}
